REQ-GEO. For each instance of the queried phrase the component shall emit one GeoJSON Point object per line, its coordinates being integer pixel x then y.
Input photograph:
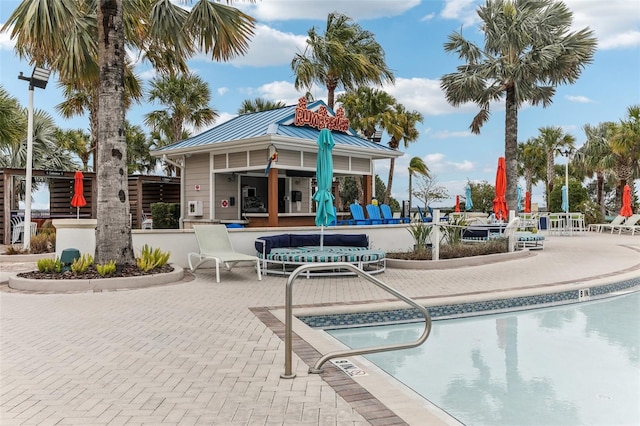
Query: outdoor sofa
{"type": "Point", "coordinates": [281, 254]}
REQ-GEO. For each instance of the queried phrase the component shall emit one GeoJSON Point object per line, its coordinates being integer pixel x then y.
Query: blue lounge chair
{"type": "Point", "coordinates": [341, 221]}
{"type": "Point", "coordinates": [357, 214]}
{"type": "Point", "coordinates": [374, 215]}
{"type": "Point", "coordinates": [423, 217]}
{"type": "Point", "coordinates": [387, 215]}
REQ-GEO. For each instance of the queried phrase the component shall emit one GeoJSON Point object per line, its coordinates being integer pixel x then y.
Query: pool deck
{"type": "Point", "coordinates": [198, 352]}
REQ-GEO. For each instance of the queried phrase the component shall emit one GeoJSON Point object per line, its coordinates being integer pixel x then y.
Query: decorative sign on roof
{"type": "Point", "coordinates": [320, 119]}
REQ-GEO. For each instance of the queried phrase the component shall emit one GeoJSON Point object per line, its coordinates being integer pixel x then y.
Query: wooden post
{"type": "Point", "coordinates": [367, 188]}
{"type": "Point", "coordinates": [273, 196]}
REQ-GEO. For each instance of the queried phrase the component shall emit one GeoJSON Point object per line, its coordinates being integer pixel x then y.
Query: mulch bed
{"type": "Point", "coordinates": [92, 273]}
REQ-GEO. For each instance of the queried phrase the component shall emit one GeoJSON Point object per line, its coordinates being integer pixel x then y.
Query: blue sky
{"type": "Point", "coordinates": [412, 34]}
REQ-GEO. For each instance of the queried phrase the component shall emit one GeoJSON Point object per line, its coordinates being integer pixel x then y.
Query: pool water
{"type": "Point", "coordinates": [575, 364]}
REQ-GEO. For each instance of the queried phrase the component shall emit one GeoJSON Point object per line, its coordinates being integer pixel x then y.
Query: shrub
{"type": "Point", "coordinates": [41, 243]}
{"type": "Point", "coordinates": [80, 265]}
{"type": "Point", "coordinates": [420, 233]}
{"type": "Point", "coordinates": [12, 250]}
{"type": "Point", "coordinates": [49, 265]}
{"type": "Point", "coordinates": [165, 215]}
{"type": "Point", "coordinates": [150, 258]}
{"type": "Point", "coordinates": [453, 231]}
{"type": "Point", "coordinates": [107, 268]}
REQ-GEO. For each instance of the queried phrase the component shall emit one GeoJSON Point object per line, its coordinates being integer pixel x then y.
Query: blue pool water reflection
{"type": "Point", "coordinates": [570, 365]}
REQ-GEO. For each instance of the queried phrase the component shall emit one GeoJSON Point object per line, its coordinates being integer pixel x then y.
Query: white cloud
{"type": "Point", "coordinates": [318, 10]}
{"type": "Point", "coordinates": [616, 23]}
{"type": "Point", "coordinates": [446, 134]}
{"type": "Point", "coordinates": [428, 17]}
{"type": "Point", "coordinates": [464, 166]}
{"type": "Point", "coordinates": [462, 10]}
{"type": "Point", "coordinates": [578, 99]}
{"type": "Point", "coordinates": [222, 91]}
{"type": "Point", "coordinates": [423, 95]}
{"type": "Point", "coordinates": [5, 39]}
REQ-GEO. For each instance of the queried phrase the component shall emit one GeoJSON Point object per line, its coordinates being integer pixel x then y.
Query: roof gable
{"type": "Point", "coordinates": [280, 121]}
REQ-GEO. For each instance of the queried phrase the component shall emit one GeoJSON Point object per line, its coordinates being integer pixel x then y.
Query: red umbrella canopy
{"type": "Point", "coordinates": [457, 204]}
{"type": "Point", "coordinates": [527, 202]}
{"type": "Point", "coordinates": [626, 210]}
{"type": "Point", "coordinates": [500, 203]}
{"type": "Point", "coordinates": [78, 189]}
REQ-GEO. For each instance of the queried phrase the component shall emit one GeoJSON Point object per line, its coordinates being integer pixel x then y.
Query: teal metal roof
{"type": "Point", "coordinates": [268, 122]}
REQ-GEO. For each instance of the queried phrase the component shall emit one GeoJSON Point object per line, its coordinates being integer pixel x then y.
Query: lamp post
{"type": "Point", "coordinates": [566, 153]}
{"type": "Point", "coordinates": [38, 79]}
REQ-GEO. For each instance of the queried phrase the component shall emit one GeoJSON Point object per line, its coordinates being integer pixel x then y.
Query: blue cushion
{"type": "Point", "coordinates": [271, 242]}
{"type": "Point", "coordinates": [301, 240]}
{"type": "Point", "coordinates": [356, 240]}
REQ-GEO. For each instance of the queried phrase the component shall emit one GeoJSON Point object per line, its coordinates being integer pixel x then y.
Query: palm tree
{"type": "Point", "coordinates": [78, 142]}
{"type": "Point", "coordinates": [258, 104]}
{"type": "Point", "coordinates": [344, 56]}
{"type": "Point", "coordinates": [528, 51]}
{"type": "Point", "coordinates": [12, 120]}
{"type": "Point", "coordinates": [138, 147]}
{"type": "Point", "coordinates": [367, 109]}
{"type": "Point", "coordinates": [47, 153]}
{"type": "Point", "coordinates": [552, 140]}
{"type": "Point", "coordinates": [186, 97]}
{"type": "Point", "coordinates": [625, 144]}
{"type": "Point", "coordinates": [72, 39]}
{"type": "Point", "coordinates": [81, 99]}
{"type": "Point", "coordinates": [416, 166]}
{"type": "Point", "coordinates": [401, 127]}
{"type": "Point", "coordinates": [592, 157]}
{"type": "Point", "coordinates": [531, 163]}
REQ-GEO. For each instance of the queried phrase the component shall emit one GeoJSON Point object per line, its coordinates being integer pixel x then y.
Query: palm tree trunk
{"type": "Point", "coordinates": [600, 192]}
{"type": "Point", "coordinates": [511, 147]}
{"type": "Point", "coordinates": [551, 175]}
{"type": "Point", "coordinates": [387, 195]}
{"type": "Point", "coordinates": [113, 233]}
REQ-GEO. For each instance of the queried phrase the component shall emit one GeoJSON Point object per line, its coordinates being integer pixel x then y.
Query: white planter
{"type": "Point", "coordinates": [75, 233]}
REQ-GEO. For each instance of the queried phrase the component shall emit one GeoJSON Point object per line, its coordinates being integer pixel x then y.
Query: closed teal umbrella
{"type": "Point", "coordinates": [468, 205]}
{"type": "Point", "coordinates": [565, 199]}
{"type": "Point", "coordinates": [325, 213]}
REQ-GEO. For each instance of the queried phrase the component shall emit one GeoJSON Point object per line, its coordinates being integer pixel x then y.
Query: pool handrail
{"type": "Point", "coordinates": [317, 368]}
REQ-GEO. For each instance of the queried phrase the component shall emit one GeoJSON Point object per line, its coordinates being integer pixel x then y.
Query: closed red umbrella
{"type": "Point", "coordinates": [626, 210]}
{"type": "Point", "coordinates": [78, 189]}
{"type": "Point", "coordinates": [527, 202]}
{"type": "Point", "coordinates": [500, 202]}
{"type": "Point", "coordinates": [457, 204]}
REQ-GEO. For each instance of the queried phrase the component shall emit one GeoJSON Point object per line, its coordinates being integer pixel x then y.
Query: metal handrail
{"type": "Point", "coordinates": [288, 374]}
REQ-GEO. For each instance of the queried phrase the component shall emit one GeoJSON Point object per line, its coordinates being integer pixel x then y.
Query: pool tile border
{"type": "Point", "coordinates": [457, 310]}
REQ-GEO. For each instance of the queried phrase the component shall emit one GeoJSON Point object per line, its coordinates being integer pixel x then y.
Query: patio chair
{"type": "Point", "coordinates": [423, 217]}
{"type": "Point", "coordinates": [147, 221]}
{"type": "Point", "coordinates": [387, 215]}
{"type": "Point", "coordinates": [214, 244]}
{"type": "Point", "coordinates": [374, 215]}
{"type": "Point", "coordinates": [598, 227]}
{"type": "Point", "coordinates": [630, 224]}
{"type": "Point", "coordinates": [357, 214]}
{"type": "Point", "coordinates": [17, 229]}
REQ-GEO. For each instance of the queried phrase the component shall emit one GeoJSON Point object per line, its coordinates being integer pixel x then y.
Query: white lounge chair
{"type": "Point", "coordinates": [214, 244]}
{"type": "Point", "coordinates": [598, 227]}
{"type": "Point", "coordinates": [631, 224]}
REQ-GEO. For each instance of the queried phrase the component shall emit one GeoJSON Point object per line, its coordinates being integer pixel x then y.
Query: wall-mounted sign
{"type": "Point", "coordinates": [53, 173]}
{"type": "Point", "coordinates": [196, 187]}
{"type": "Point", "coordinates": [320, 119]}
{"type": "Point", "coordinates": [224, 204]}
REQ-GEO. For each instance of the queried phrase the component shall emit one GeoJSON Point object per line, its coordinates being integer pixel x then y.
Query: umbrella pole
{"type": "Point", "coordinates": [77, 212]}
{"type": "Point", "coordinates": [321, 237]}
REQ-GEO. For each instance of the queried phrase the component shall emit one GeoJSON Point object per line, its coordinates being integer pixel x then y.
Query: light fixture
{"type": "Point", "coordinates": [566, 153]}
{"type": "Point", "coordinates": [39, 79]}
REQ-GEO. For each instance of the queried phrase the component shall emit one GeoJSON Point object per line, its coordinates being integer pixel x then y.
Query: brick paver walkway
{"type": "Point", "coordinates": [198, 352]}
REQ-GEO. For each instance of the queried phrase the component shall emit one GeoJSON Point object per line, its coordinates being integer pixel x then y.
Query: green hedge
{"type": "Point", "coordinates": [165, 215]}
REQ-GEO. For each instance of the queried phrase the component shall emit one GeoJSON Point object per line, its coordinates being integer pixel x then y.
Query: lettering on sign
{"type": "Point", "coordinates": [320, 119]}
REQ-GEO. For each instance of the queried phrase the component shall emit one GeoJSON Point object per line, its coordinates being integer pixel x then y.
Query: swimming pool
{"type": "Point", "coordinates": [576, 364]}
